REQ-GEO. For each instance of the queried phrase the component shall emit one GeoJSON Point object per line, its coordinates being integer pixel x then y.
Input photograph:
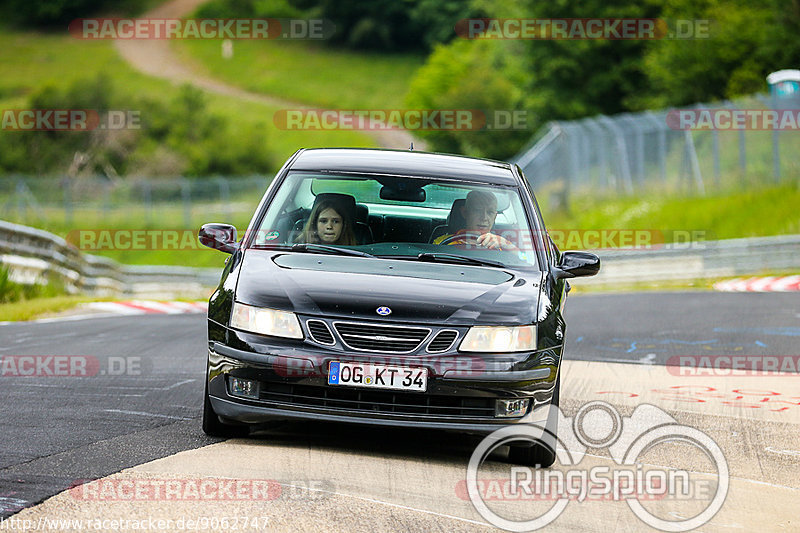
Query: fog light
{"type": "Point", "coordinates": [511, 408]}
{"type": "Point", "coordinates": [244, 388]}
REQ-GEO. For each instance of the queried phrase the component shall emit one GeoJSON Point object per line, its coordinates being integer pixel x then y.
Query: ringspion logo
{"type": "Point", "coordinates": [599, 425]}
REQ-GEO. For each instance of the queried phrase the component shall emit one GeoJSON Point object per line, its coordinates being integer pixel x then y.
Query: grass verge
{"type": "Point", "coordinates": [39, 307]}
{"type": "Point", "coordinates": [308, 72]}
{"type": "Point", "coordinates": [759, 212]}
{"type": "Point", "coordinates": [33, 60]}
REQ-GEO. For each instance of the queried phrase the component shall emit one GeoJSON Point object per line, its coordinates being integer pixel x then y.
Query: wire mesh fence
{"type": "Point", "coordinates": [56, 203]}
{"type": "Point", "coordinates": [695, 150]}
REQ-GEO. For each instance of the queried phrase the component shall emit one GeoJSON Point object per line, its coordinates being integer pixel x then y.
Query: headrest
{"type": "Point", "coordinates": [341, 201]}
{"type": "Point", "coordinates": [455, 220]}
{"type": "Point", "coordinates": [362, 213]}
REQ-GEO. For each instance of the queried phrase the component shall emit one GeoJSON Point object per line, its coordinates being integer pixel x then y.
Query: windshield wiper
{"type": "Point", "coordinates": [462, 259]}
{"type": "Point", "coordinates": [325, 249]}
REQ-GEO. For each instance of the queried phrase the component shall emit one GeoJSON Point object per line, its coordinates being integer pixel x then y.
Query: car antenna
{"type": "Point", "coordinates": [411, 148]}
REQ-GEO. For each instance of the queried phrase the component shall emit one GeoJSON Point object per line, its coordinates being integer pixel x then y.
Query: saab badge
{"type": "Point", "coordinates": [383, 311]}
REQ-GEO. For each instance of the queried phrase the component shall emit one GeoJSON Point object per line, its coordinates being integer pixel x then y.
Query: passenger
{"type": "Point", "coordinates": [479, 212]}
{"type": "Point", "coordinates": [328, 224]}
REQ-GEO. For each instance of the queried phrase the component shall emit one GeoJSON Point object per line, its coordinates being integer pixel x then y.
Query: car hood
{"type": "Point", "coordinates": [355, 287]}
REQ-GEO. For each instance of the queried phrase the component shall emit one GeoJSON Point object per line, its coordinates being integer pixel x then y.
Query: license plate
{"type": "Point", "coordinates": [378, 376]}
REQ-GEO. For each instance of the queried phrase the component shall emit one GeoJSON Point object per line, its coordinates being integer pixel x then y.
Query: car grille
{"type": "Point", "coordinates": [380, 338]}
{"type": "Point", "coordinates": [377, 401]}
{"type": "Point", "coordinates": [442, 341]}
{"type": "Point", "coordinates": [319, 332]}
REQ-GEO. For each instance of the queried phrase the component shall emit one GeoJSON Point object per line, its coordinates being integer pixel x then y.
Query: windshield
{"type": "Point", "coordinates": [401, 217]}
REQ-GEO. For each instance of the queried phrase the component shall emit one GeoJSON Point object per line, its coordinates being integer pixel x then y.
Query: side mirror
{"type": "Point", "coordinates": [219, 237]}
{"type": "Point", "coordinates": [577, 264]}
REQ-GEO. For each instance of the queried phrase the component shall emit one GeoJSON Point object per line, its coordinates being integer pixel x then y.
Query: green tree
{"type": "Point", "coordinates": [748, 40]}
{"type": "Point", "coordinates": [471, 75]}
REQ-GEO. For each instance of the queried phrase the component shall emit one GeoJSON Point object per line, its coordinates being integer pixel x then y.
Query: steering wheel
{"type": "Point", "coordinates": [469, 235]}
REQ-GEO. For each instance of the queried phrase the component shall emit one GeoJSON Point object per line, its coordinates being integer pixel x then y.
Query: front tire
{"type": "Point", "coordinates": [213, 427]}
{"type": "Point", "coordinates": [540, 454]}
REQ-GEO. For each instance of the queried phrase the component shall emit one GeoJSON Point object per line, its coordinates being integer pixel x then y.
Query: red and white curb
{"type": "Point", "coordinates": [144, 307]}
{"type": "Point", "coordinates": [765, 284]}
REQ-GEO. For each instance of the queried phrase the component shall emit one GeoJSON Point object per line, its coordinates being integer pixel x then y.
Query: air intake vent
{"type": "Point", "coordinates": [319, 332]}
{"type": "Point", "coordinates": [443, 341]}
{"type": "Point", "coordinates": [446, 408]}
{"type": "Point", "coordinates": [380, 338]}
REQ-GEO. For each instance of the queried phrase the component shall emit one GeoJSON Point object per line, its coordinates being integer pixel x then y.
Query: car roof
{"type": "Point", "coordinates": [404, 163]}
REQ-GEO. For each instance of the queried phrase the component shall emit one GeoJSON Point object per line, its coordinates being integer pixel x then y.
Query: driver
{"type": "Point", "coordinates": [479, 212]}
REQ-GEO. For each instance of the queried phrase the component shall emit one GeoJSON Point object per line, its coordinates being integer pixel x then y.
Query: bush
{"type": "Point", "coordinates": [248, 9]}
{"type": "Point", "coordinates": [470, 75]}
{"type": "Point", "coordinates": [748, 40]}
{"type": "Point", "coordinates": [386, 25]}
{"type": "Point", "coordinates": [11, 291]}
{"type": "Point", "coordinates": [176, 138]}
{"type": "Point", "coordinates": [57, 14]}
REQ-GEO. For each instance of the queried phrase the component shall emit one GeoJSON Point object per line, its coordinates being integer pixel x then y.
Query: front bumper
{"type": "Point", "coordinates": [462, 390]}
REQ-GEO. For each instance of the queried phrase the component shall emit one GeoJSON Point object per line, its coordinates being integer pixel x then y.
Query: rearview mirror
{"type": "Point", "coordinates": [401, 193]}
{"type": "Point", "coordinates": [577, 264]}
{"type": "Point", "coordinates": [219, 237]}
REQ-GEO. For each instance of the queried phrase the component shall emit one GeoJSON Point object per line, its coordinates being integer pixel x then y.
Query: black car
{"type": "Point", "coordinates": [390, 288]}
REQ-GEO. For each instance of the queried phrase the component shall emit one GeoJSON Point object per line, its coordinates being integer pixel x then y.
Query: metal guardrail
{"type": "Point", "coordinates": [32, 255]}
{"type": "Point", "coordinates": [704, 259]}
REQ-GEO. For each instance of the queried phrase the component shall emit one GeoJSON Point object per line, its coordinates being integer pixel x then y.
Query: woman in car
{"type": "Point", "coordinates": [328, 224]}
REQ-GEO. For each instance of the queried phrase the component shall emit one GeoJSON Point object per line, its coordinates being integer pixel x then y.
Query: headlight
{"type": "Point", "coordinates": [266, 321]}
{"type": "Point", "coordinates": [499, 339]}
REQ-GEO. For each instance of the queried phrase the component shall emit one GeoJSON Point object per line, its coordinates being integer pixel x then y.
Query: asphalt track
{"type": "Point", "coordinates": [137, 418]}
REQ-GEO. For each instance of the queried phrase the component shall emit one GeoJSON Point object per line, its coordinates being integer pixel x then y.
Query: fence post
{"type": "Point", "coordinates": [691, 155]}
{"type": "Point", "coordinates": [186, 195]}
{"type": "Point", "coordinates": [742, 145]}
{"type": "Point", "coordinates": [224, 194]}
{"type": "Point", "coordinates": [715, 156]}
{"type": "Point", "coordinates": [147, 193]}
{"type": "Point", "coordinates": [776, 148]}
{"type": "Point", "coordinates": [106, 199]}
{"type": "Point", "coordinates": [639, 151]}
{"type": "Point", "coordinates": [599, 146]}
{"type": "Point", "coordinates": [622, 148]}
{"type": "Point", "coordinates": [662, 144]}
{"type": "Point", "coordinates": [22, 212]}
{"type": "Point", "coordinates": [67, 185]}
